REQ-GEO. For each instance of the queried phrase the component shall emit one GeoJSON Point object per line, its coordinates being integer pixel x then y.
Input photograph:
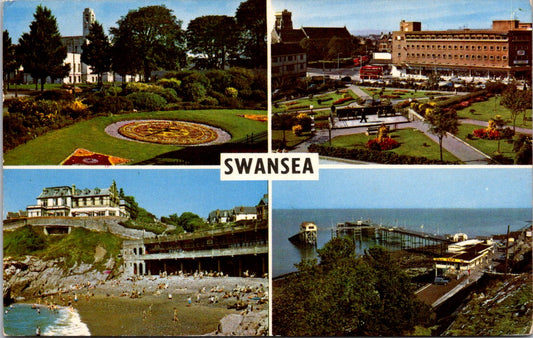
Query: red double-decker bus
{"type": "Point", "coordinates": [371, 72]}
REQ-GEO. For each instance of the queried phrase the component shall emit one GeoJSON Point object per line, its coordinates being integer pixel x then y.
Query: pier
{"type": "Point", "coordinates": [401, 238]}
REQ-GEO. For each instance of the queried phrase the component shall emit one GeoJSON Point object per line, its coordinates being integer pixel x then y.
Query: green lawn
{"type": "Point", "coordinates": [403, 93]}
{"type": "Point", "coordinates": [486, 110]}
{"type": "Point", "coordinates": [55, 146]}
{"type": "Point", "coordinates": [282, 107]}
{"type": "Point", "coordinates": [488, 147]}
{"type": "Point", "coordinates": [290, 139]}
{"type": "Point", "coordinates": [412, 142]}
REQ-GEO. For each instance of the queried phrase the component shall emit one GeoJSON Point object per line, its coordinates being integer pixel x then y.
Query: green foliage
{"type": "Point", "coordinates": [522, 147]}
{"type": "Point", "coordinates": [231, 92]}
{"type": "Point", "coordinates": [517, 101]}
{"type": "Point", "coordinates": [195, 92]}
{"type": "Point", "coordinates": [80, 246]}
{"type": "Point", "coordinates": [251, 19]}
{"type": "Point", "coordinates": [97, 50]}
{"type": "Point", "coordinates": [10, 60]}
{"type": "Point", "coordinates": [23, 241]}
{"type": "Point", "coordinates": [442, 122]}
{"type": "Point", "coordinates": [187, 221]}
{"type": "Point", "coordinates": [346, 295]}
{"type": "Point", "coordinates": [112, 104]}
{"type": "Point", "coordinates": [374, 156]}
{"type": "Point", "coordinates": [205, 36]}
{"type": "Point", "coordinates": [156, 228]}
{"type": "Point", "coordinates": [147, 101]}
{"type": "Point", "coordinates": [170, 83]}
{"type": "Point", "coordinates": [152, 35]}
{"type": "Point", "coordinates": [41, 51]}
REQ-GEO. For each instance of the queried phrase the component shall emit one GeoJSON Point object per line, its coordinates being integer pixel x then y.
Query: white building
{"type": "Point", "coordinates": [72, 202]}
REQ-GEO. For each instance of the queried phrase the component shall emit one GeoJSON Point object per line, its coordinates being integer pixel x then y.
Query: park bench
{"type": "Point", "coordinates": [372, 130]}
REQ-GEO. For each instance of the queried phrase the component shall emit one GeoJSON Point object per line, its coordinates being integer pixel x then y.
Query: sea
{"type": "Point", "coordinates": [473, 222]}
{"type": "Point", "coordinates": [21, 320]}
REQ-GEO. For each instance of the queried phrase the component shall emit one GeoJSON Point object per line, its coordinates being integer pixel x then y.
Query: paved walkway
{"type": "Point", "coordinates": [459, 148]}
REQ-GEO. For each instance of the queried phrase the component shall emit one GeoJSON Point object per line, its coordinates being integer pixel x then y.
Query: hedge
{"type": "Point", "coordinates": [374, 156]}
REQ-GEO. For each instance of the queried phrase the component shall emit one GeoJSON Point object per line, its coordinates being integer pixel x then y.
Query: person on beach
{"type": "Point", "coordinates": [189, 301]}
{"type": "Point", "coordinates": [175, 318]}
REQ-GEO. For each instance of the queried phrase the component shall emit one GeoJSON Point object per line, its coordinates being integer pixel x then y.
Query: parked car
{"type": "Point", "coordinates": [440, 280]}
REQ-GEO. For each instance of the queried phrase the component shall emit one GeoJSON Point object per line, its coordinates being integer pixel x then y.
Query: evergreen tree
{"type": "Point", "coordinates": [9, 59]}
{"type": "Point", "coordinates": [97, 51]}
{"type": "Point", "coordinates": [41, 50]}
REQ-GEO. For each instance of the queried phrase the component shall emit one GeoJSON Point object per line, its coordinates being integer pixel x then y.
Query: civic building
{"type": "Point", "coordinates": [74, 202]}
{"type": "Point", "coordinates": [503, 51]}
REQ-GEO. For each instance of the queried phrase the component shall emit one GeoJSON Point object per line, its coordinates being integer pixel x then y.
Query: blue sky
{"type": "Point", "coordinates": [403, 187]}
{"type": "Point", "coordinates": [385, 15]}
{"type": "Point", "coordinates": [18, 14]}
{"type": "Point", "coordinates": [160, 191]}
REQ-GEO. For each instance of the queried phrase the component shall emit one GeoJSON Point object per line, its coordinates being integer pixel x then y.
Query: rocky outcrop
{"type": "Point", "coordinates": [32, 277]}
{"type": "Point", "coordinates": [248, 323]}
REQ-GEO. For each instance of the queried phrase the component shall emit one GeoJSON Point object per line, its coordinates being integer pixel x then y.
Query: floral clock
{"type": "Point", "coordinates": [168, 132]}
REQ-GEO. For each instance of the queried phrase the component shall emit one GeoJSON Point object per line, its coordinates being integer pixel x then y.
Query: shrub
{"type": "Point", "coordinates": [147, 101]}
{"type": "Point", "coordinates": [195, 92]}
{"type": "Point", "coordinates": [112, 91]}
{"type": "Point", "coordinates": [231, 92]}
{"type": "Point", "coordinates": [170, 83]}
{"type": "Point", "coordinates": [210, 101]}
{"type": "Point", "coordinates": [113, 105]}
{"type": "Point", "coordinates": [297, 129]}
{"type": "Point", "coordinates": [342, 100]}
{"type": "Point", "coordinates": [55, 95]}
{"type": "Point", "coordinates": [168, 94]}
{"type": "Point", "coordinates": [76, 109]}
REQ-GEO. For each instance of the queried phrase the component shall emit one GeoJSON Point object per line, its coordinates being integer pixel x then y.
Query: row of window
{"type": "Point", "coordinates": [288, 58]}
{"type": "Point", "coordinates": [449, 56]}
{"type": "Point", "coordinates": [457, 37]}
{"type": "Point", "coordinates": [457, 47]}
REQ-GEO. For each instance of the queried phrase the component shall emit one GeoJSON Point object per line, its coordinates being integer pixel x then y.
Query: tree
{"type": "Point", "coordinates": [9, 61]}
{"type": "Point", "coordinates": [498, 123]}
{"type": "Point", "coordinates": [152, 37]}
{"type": "Point", "coordinates": [215, 37]}
{"type": "Point", "coordinates": [97, 51]}
{"type": "Point", "coordinates": [442, 122]}
{"type": "Point", "coordinates": [251, 18]}
{"type": "Point", "coordinates": [340, 47]}
{"type": "Point", "coordinates": [346, 295]}
{"type": "Point", "coordinates": [517, 101]}
{"type": "Point", "coordinates": [41, 50]}
{"type": "Point", "coordinates": [190, 221]}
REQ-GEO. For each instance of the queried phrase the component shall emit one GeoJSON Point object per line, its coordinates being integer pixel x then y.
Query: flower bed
{"type": "Point", "coordinates": [386, 143]}
{"type": "Point", "coordinates": [343, 100]}
{"type": "Point", "coordinates": [487, 134]}
{"type": "Point", "coordinates": [254, 117]}
{"type": "Point", "coordinates": [86, 157]}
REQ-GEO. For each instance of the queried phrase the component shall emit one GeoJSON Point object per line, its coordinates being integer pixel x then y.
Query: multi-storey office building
{"type": "Point", "coordinates": [73, 202]}
{"type": "Point", "coordinates": [501, 52]}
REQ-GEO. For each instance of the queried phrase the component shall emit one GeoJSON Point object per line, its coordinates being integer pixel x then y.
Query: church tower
{"type": "Point", "coordinates": [88, 19]}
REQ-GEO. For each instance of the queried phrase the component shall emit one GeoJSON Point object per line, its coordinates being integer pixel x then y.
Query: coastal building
{"type": "Point", "coordinates": [462, 256]}
{"type": "Point", "coordinates": [262, 208]}
{"type": "Point", "coordinates": [500, 52]}
{"type": "Point", "coordinates": [72, 202]}
{"type": "Point", "coordinates": [243, 213]}
{"type": "Point", "coordinates": [219, 216]}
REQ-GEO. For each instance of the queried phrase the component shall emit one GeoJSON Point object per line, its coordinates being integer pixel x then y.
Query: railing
{"type": "Point", "coordinates": [253, 250]}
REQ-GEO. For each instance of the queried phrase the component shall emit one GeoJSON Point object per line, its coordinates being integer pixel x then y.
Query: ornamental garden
{"type": "Point", "coordinates": [139, 122]}
{"type": "Point", "coordinates": [494, 121]}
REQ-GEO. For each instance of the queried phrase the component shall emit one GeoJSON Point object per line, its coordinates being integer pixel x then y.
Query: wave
{"type": "Point", "coordinates": [67, 324]}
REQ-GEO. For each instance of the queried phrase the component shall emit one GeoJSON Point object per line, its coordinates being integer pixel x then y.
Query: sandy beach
{"type": "Point", "coordinates": [153, 305]}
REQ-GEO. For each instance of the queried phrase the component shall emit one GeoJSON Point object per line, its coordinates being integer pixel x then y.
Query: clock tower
{"type": "Point", "coordinates": [88, 20]}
